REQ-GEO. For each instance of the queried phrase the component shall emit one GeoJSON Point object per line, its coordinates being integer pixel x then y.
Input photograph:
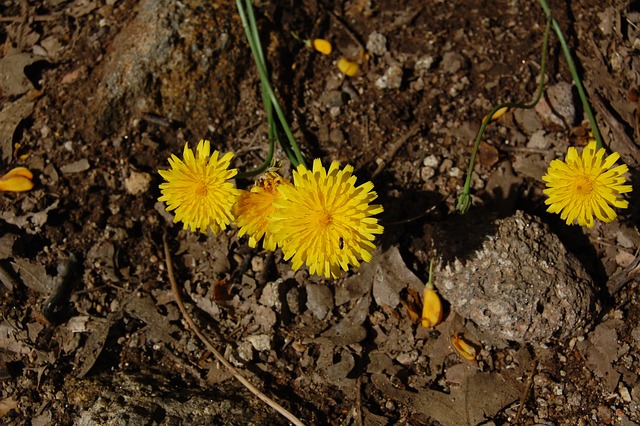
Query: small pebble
{"type": "Point", "coordinates": [76, 166]}
{"type": "Point", "coordinates": [377, 44]}
{"type": "Point", "coordinates": [392, 78]}
{"type": "Point", "coordinates": [137, 182]}
{"type": "Point", "coordinates": [260, 342]}
{"type": "Point", "coordinates": [624, 393]}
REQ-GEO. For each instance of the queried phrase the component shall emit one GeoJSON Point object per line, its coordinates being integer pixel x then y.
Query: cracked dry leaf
{"type": "Point", "coordinates": [30, 222]}
{"type": "Point", "coordinates": [10, 118]}
{"type": "Point", "coordinates": [600, 352]}
{"type": "Point", "coordinates": [13, 81]}
{"type": "Point", "coordinates": [6, 245]}
{"type": "Point", "coordinates": [392, 276]}
{"type": "Point", "coordinates": [92, 348]}
{"type": "Point", "coordinates": [6, 405]}
{"type": "Point", "coordinates": [480, 397]}
{"type": "Point", "coordinates": [33, 275]}
{"type": "Point", "coordinates": [159, 328]}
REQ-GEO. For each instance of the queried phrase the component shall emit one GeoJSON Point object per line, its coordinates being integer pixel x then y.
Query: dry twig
{"type": "Point", "coordinates": [176, 292]}
{"type": "Point", "coordinates": [526, 392]}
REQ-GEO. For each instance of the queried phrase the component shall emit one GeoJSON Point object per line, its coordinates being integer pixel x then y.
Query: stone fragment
{"type": "Point", "coordinates": [377, 44]}
{"type": "Point", "coordinates": [137, 182]}
{"type": "Point", "coordinates": [319, 300]}
{"type": "Point", "coordinates": [392, 78]}
{"type": "Point", "coordinates": [452, 62]}
{"type": "Point", "coordinates": [76, 166]}
{"type": "Point", "coordinates": [260, 342]}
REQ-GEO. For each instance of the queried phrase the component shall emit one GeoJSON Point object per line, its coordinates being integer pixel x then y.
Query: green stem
{"type": "Point", "coordinates": [464, 199]}
{"type": "Point", "coordinates": [574, 74]}
{"type": "Point", "coordinates": [269, 97]}
{"type": "Point", "coordinates": [429, 285]}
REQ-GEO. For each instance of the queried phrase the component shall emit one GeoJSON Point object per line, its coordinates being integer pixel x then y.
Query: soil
{"type": "Point", "coordinates": [97, 94]}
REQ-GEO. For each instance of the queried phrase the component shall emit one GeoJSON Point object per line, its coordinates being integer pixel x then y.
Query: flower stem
{"type": "Point", "coordinates": [270, 101]}
{"type": "Point", "coordinates": [463, 202]}
{"type": "Point", "coordinates": [429, 285]}
{"type": "Point", "coordinates": [574, 74]}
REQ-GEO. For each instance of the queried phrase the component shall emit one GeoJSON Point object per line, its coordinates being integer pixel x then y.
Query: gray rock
{"type": "Point", "coordinates": [377, 43]}
{"type": "Point", "coordinates": [514, 279]}
{"type": "Point", "coordinates": [392, 78]}
{"type": "Point", "coordinates": [319, 300]}
{"type": "Point", "coordinates": [452, 62]}
{"type": "Point", "coordinates": [561, 99]}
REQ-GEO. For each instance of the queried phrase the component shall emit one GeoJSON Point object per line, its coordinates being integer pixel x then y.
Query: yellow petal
{"type": "Point", "coordinates": [431, 308]}
{"type": "Point", "coordinates": [19, 171]}
{"type": "Point", "coordinates": [321, 45]}
{"type": "Point", "coordinates": [15, 183]}
{"type": "Point", "coordinates": [465, 349]}
{"type": "Point", "coordinates": [348, 67]}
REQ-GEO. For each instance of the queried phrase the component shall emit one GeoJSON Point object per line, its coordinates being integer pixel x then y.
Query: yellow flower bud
{"type": "Point", "coordinates": [431, 308]}
{"type": "Point", "coordinates": [499, 113]}
{"type": "Point", "coordinates": [321, 45]}
{"type": "Point", "coordinates": [348, 67]}
{"type": "Point", "coordinates": [17, 180]}
{"type": "Point", "coordinates": [465, 349]}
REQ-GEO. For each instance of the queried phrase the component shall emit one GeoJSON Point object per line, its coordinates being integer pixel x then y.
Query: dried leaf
{"type": "Point", "coordinates": [6, 405]}
{"type": "Point", "coordinates": [601, 353]}
{"type": "Point", "coordinates": [89, 353]}
{"type": "Point", "coordinates": [159, 327]}
{"type": "Point", "coordinates": [13, 81]}
{"type": "Point", "coordinates": [12, 339]}
{"type": "Point", "coordinates": [33, 275]}
{"type": "Point", "coordinates": [6, 245]}
{"type": "Point", "coordinates": [10, 117]}
{"type": "Point", "coordinates": [480, 397]}
{"type": "Point", "coordinates": [30, 222]}
{"type": "Point", "coordinates": [392, 276]}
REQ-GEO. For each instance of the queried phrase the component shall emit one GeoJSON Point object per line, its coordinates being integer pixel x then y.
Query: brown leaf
{"type": "Point", "coordinates": [10, 117]}
{"type": "Point", "coordinates": [33, 275]}
{"type": "Point", "coordinates": [13, 81]}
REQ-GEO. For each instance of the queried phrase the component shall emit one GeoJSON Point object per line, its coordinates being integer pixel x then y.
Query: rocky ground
{"type": "Point", "coordinates": [97, 94]}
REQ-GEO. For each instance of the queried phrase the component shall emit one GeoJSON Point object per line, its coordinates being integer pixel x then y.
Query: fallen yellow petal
{"type": "Point", "coordinates": [431, 308]}
{"type": "Point", "coordinates": [17, 180]}
{"type": "Point", "coordinates": [348, 67]}
{"type": "Point", "coordinates": [15, 184]}
{"type": "Point", "coordinates": [321, 45]}
{"type": "Point", "coordinates": [465, 349]}
{"type": "Point", "coordinates": [18, 171]}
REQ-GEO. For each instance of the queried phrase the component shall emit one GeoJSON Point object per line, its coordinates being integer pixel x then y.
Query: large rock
{"type": "Point", "coordinates": [514, 279]}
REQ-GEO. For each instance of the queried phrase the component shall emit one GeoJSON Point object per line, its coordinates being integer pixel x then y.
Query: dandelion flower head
{"type": "Point", "coordinates": [581, 187]}
{"type": "Point", "coordinates": [253, 209]}
{"type": "Point", "coordinates": [324, 220]}
{"type": "Point", "coordinates": [198, 188]}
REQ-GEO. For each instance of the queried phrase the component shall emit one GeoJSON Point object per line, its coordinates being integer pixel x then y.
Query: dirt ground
{"type": "Point", "coordinates": [97, 94]}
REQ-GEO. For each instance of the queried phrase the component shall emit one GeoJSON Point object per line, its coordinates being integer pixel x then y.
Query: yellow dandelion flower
{"type": "Point", "coordinates": [583, 186]}
{"type": "Point", "coordinates": [325, 220]}
{"type": "Point", "coordinates": [198, 188]}
{"type": "Point", "coordinates": [254, 207]}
